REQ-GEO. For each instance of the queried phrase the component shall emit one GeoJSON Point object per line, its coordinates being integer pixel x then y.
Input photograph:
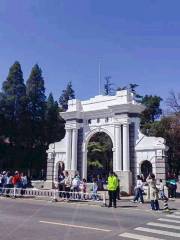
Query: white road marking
{"type": "Point", "coordinates": [139, 237]}
{"type": "Point", "coordinates": [177, 213]}
{"type": "Point", "coordinates": [163, 225]}
{"type": "Point", "coordinates": [172, 216]}
{"type": "Point", "coordinates": [168, 220]}
{"type": "Point", "coordinates": [166, 233]}
{"type": "Point", "coordinates": [76, 226]}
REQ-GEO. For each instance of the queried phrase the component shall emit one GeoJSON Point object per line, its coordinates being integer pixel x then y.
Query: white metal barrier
{"type": "Point", "coordinates": [54, 194]}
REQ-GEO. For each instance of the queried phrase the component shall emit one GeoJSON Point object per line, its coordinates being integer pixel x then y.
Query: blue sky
{"type": "Point", "coordinates": [137, 42]}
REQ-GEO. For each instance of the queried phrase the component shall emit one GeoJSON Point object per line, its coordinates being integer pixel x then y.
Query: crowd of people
{"type": "Point", "coordinates": [156, 190]}
{"type": "Point", "coordinates": [68, 185]}
{"type": "Point", "coordinates": [8, 180]}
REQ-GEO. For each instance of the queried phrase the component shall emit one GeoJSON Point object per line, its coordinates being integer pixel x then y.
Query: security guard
{"type": "Point", "coordinates": [112, 189]}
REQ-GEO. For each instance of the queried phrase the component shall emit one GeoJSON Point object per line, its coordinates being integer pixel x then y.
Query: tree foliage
{"type": "Point", "coordinates": [28, 122]}
{"type": "Point", "coordinates": [153, 109]}
{"type": "Point", "coordinates": [67, 95]}
{"type": "Point", "coordinates": [173, 102]}
{"type": "Point", "coordinates": [13, 105]}
{"type": "Point", "coordinates": [100, 154]}
{"type": "Point", "coordinates": [169, 129]}
{"type": "Point", "coordinates": [108, 86]}
{"type": "Point", "coordinates": [36, 105]}
{"type": "Point", "coordinates": [54, 123]}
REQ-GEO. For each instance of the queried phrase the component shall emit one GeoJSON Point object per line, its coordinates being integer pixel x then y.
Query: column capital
{"type": "Point", "coordinates": [72, 125]}
{"type": "Point", "coordinates": [117, 125]}
{"type": "Point", "coordinates": [126, 122]}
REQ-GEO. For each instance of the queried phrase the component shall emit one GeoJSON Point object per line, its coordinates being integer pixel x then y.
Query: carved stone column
{"type": "Point", "coordinates": [68, 150]}
{"type": "Point", "coordinates": [126, 161]}
{"type": "Point", "coordinates": [118, 164]}
{"type": "Point", "coordinates": [74, 151]}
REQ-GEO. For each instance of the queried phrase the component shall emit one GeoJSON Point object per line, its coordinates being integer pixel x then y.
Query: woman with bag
{"type": "Point", "coordinates": [139, 190]}
{"type": "Point", "coordinates": [153, 192]}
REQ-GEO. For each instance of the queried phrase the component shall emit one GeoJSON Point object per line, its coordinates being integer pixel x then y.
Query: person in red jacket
{"type": "Point", "coordinates": [16, 180]}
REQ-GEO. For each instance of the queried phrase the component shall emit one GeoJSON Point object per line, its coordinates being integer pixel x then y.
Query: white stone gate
{"type": "Point", "coordinates": [118, 117]}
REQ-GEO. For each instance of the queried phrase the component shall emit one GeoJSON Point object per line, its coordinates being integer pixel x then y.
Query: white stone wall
{"type": "Point", "coordinates": [111, 115]}
{"type": "Point", "coordinates": [148, 155]}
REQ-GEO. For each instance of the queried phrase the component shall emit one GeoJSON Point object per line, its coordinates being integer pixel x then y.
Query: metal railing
{"type": "Point", "coordinates": [53, 195]}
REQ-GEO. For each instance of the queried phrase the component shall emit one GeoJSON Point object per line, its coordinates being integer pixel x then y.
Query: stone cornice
{"type": "Point", "coordinates": [111, 111]}
{"type": "Point", "coordinates": [127, 108]}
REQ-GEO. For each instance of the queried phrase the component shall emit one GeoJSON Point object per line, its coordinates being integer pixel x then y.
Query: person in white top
{"type": "Point", "coordinates": [139, 190]}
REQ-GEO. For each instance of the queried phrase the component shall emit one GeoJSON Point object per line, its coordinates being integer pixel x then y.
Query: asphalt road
{"type": "Point", "coordinates": [40, 220]}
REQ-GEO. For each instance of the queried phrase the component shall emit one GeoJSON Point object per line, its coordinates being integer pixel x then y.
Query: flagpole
{"type": "Point", "coordinates": [99, 78]}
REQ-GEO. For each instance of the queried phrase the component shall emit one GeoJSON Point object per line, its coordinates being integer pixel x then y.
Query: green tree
{"type": "Point", "coordinates": [54, 123]}
{"type": "Point", "coordinates": [13, 112]}
{"type": "Point", "coordinates": [36, 126]}
{"type": "Point", "coordinates": [169, 129]}
{"type": "Point", "coordinates": [36, 105]}
{"type": "Point", "coordinates": [13, 105]}
{"type": "Point", "coordinates": [100, 153]}
{"type": "Point", "coordinates": [152, 111]}
{"type": "Point", "coordinates": [121, 88]}
{"type": "Point", "coordinates": [67, 95]}
{"type": "Point", "coordinates": [132, 88]}
{"type": "Point", "coordinates": [108, 89]}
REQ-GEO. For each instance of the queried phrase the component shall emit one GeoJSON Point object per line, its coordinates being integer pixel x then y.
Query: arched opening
{"type": "Point", "coordinates": [60, 168]}
{"type": "Point", "coordinates": [99, 156]}
{"type": "Point", "coordinates": [146, 168]}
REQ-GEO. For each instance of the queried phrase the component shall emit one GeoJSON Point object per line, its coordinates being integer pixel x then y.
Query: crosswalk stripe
{"type": "Point", "coordinates": [172, 216]}
{"type": "Point", "coordinates": [137, 236]}
{"type": "Point", "coordinates": [168, 220]}
{"type": "Point", "coordinates": [150, 230]}
{"type": "Point", "coordinates": [177, 213]}
{"type": "Point", "coordinates": [163, 225]}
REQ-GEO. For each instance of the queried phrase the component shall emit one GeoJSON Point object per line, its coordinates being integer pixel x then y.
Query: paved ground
{"type": "Point", "coordinates": [41, 220]}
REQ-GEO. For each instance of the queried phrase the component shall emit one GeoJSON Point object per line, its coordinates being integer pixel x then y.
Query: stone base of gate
{"type": "Point", "coordinates": [48, 184]}
{"type": "Point", "coordinates": [125, 178]}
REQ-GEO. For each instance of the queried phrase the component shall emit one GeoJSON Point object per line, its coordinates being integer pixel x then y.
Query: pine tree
{"type": "Point", "coordinates": [13, 103]}
{"type": "Point", "coordinates": [54, 123]}
{"type": "Point", "coordinates": [67, 95]}
{"type": "Point", "coordinates": [36, 93]}
{"type": "Point", "coordinates": [36, 103]}
{"type": "Point", "coordinates": [108, 89]}
{"type": "Point", "coordinates": [36, 126]}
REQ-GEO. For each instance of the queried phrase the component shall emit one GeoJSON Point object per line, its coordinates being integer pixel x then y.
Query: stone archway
{"type": "Point", "coordinates": [85, 147]}
{"type": "Point", "coordinates": [99, 155]}
{"type": "Point", "coordinates": [59, 168]}
{"type": "Point", "coordinates": [146, 168]}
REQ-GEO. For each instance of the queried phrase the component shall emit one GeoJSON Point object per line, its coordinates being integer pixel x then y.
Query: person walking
{"type": "Point", "coordinates": [94, 189]}
{"type": "Point", "coordinates": [67, 183]}
{"type": "Point", "coordinates": [83, 187]}
{"type": "Point", "coordinates": [61, 185]}
{"type": "Point", "coordinates": [75, 184]}
{"type": "Point", "coordinates": [139, 190]}
{"type": "Point", "coordinates": [173, 187]}
{"type": "Point", "coordinates": [153, 192]}
{"type": "Point", "coordinates": [112, 189]}
{"type": "Point", "coordinates": [24, 183]}
{"type": "Point", "coordinates": [161, 190]}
